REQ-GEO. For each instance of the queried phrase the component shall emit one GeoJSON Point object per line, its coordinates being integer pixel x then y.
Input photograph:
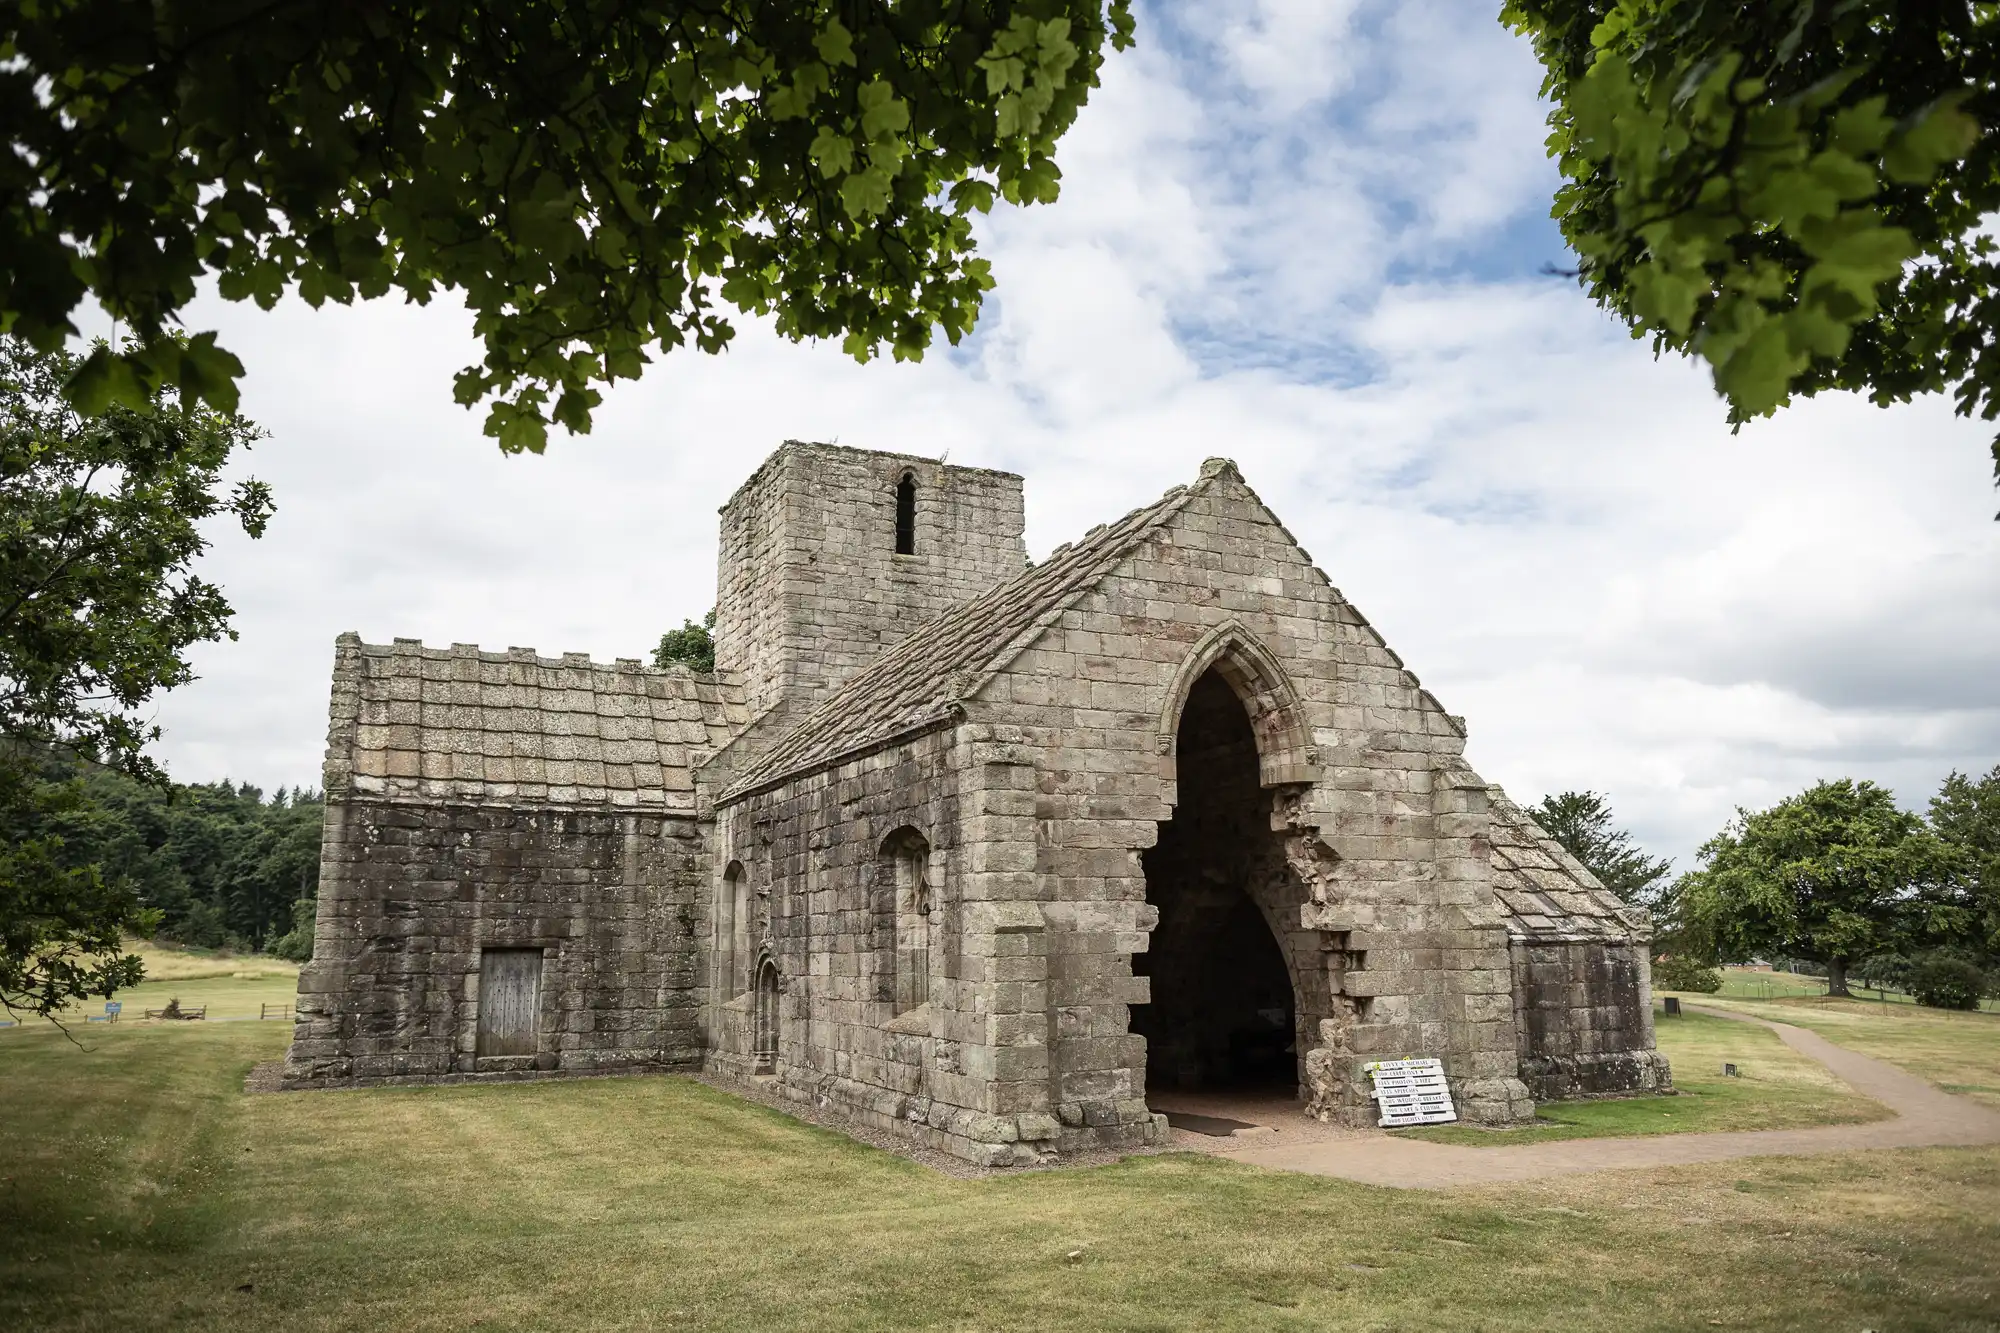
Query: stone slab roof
{"type": "Point", "coordinates": [919, 684]}
{"type": "Point", "coordinates": [459, 724]}
{"type": "Point", "coordinates": [1546, 893]}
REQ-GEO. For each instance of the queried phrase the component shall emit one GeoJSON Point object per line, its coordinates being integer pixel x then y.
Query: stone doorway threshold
{"type": "Point", "coordinates": [1225, 1121]}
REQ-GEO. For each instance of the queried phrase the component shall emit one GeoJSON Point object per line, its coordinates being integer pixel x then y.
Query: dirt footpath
{"type": "Point", "coordinates": [1925, 1118]}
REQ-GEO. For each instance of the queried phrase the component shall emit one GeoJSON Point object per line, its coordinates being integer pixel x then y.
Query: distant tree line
{"type": "Point", "coordinates": [1838, 878]}
{"type": "Point", "coordinates": [217, 865]}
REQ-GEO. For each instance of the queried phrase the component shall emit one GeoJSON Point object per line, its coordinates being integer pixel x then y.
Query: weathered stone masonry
{"type": "Point", "coordinates": [979, 851]}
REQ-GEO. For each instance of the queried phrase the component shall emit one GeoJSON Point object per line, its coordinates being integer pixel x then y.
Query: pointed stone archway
{"type": "Point", "coordinates": [1238, 983]}
{"type": "Point", "coordinates": [1285, 754]}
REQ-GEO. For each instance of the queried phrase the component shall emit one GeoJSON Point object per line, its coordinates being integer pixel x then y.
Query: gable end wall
{"type": "Point", "coordinates": [1387, 842]}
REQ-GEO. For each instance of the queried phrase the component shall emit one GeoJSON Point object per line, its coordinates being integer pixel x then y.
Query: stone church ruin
{"type": "Point", "coordinates": [981, 851]}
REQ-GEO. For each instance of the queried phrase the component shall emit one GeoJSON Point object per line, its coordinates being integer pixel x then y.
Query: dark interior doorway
{"type": "Point", "coordinates": [1223, 1013]}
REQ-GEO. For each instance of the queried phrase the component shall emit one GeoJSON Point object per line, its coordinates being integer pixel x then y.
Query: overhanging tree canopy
{"type": "Point", "coordinates": [1795, 192]}
{"type": "Point", "coordinates": [597, 178]}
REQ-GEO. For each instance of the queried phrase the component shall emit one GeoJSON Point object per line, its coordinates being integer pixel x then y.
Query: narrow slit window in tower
{"type": "Point", "coordinates": [906, 515]}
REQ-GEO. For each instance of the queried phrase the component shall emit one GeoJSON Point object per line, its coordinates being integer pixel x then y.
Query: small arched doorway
{"type": "Point", "coordinates": [764, 1024]}
{"type": "Point", "coordinates": [1225, 1014]}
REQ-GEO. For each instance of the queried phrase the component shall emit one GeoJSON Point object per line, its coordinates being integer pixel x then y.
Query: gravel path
{"type": "Point", "coordinates": [1925, 1118]}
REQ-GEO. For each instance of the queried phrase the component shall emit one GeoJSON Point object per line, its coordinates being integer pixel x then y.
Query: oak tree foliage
{"type": "Point", "coordinates": [597, 179]}
{"type": "Point", "coordinates": [1838, 873]}
{"type": "Point", "coordinates": [1795, 192]}
{"type": "Point", "coordinates": [1966, 814]}
{"type": "Point", "coordinates": [101, 520]}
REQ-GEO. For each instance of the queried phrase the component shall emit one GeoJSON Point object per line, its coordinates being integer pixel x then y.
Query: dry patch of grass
{"type": "Point", "coordinates": [230, 985]}
{"type": "Point", "coordinates": [1774, 1088]}
{"type": "Point", "coordinates": [1959, 1052]}
{"type": "Point", "coordinates": [145, 1190]}
{"type": "Point", "coordinates": [172, 962]}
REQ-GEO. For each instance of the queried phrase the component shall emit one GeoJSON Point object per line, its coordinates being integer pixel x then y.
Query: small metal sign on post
{"type": "Point", "coordinates": [113, 1008]}
{"type": "Point", "coordinates": [1411, 1092]}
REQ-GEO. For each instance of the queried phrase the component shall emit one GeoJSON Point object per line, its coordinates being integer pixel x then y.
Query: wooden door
{"type": "Point", "coordinates": [510, 1001]}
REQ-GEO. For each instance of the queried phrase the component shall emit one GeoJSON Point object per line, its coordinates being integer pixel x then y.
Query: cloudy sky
{"type": "Point", "coordinates": [1304, 234]}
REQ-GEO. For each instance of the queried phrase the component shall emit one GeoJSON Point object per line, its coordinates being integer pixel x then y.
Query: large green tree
{"type": "Point", "coordinates": [1834, 874]}
{"type": "Point", "coordinates": [1966, 814]}
{"type": "Point", "coordinates": [596, 179]}
{"type": "Point", "coordinates": [1795, 192]}
{"type": "Point", "coordinates": [101, 521]}
{"type": "Point", "coordinates": [1581, 821]}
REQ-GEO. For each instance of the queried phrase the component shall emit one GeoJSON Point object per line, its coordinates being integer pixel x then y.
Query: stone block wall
{"type": "Point", "coordinates": [410, 893]}
{"type": "Point", "coordinates": [810, 588]}
{"type": "Point", "coordinates": [1584, 1013]}
{"type": "Point", "coordinates": [967, 1072]}
{"type": "Point", "coordinates": [669, 842]}
{"type": "Point", "coordinates": [1383, 823]}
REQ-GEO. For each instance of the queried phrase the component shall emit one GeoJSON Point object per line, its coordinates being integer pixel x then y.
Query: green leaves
{"type": "Point", "coordinates": [1940, 133]}
{"type": "Point", "coordinates": [1793, 192]}
{"type": "Point", "coordinates": [101, 520]}
{"type": "Point", "coordinates": [1807, 876]}
{"type": "Point", "coordinates": [835, 44]}
{"type": "Point", "coordinates": [883, 114]}
{"type": "Point", "coordinates": [1027, 65]}
{"type": "Point", "coordinates": [832, 152]}
{"type": "Point", "coordinates": [1837, 873]}
{"type": "Point", "coordinates": [592, 176]}
{"type": "Point", "coordinates": [195, 368]}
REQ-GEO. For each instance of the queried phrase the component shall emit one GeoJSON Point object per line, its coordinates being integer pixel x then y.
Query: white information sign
{"type": "Point", "coordinates": [1412, 1092]}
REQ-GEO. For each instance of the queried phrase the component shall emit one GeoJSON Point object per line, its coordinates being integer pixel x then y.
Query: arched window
{"type": "Point", "coordinates": [906, 860]}
{"type": "Point", "coordinates": [732, 932]}
{"type": "Point", "coordinates": [906, 515]}
{"type": "Point", "coordinates": [764, 1024]}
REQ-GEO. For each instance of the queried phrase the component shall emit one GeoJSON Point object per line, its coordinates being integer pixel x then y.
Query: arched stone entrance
{"type": "Point", "coordinates": [1237, 983]}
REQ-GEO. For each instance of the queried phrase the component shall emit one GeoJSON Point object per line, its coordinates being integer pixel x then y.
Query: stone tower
{"type": "Point", "coordinates": [829, 556]}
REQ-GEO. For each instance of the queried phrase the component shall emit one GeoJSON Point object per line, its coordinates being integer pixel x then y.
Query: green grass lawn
{"type": "Point", "coordinates": [1745, 984]}
{"type": "Point", "coordinates": [231, 985]}
{"type": "Point", "coordinates": [1959, 1052]}
{"type": "Point", "coordinates": [142, 1189]}
{"type": "Point", "coordinates": [1775, 1088]}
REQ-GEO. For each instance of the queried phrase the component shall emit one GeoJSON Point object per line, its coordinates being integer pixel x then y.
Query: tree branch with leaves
{"type": "Point", "coordinates": [101, 522]}
{"type": "Point", "coordinates": [1795, 193]}
{"type": "Point", "coordinates": [596, 179]}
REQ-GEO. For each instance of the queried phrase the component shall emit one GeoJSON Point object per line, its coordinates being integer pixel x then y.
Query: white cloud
{"type": "Point", "coordinates": [1289, 54]}
{"type": "Point", "coordinates": [1313, 268]}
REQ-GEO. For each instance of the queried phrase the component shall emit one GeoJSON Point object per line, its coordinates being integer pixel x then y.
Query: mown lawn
{"type": "Point", "coordinates": [1747, 984]}
{"type": "Point", "coordinates": [1774, 1088]}
{"type": "Point", "coordinates": [143, 1189]}
{"type": "Point", "coordinates": [1959, 1052]}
